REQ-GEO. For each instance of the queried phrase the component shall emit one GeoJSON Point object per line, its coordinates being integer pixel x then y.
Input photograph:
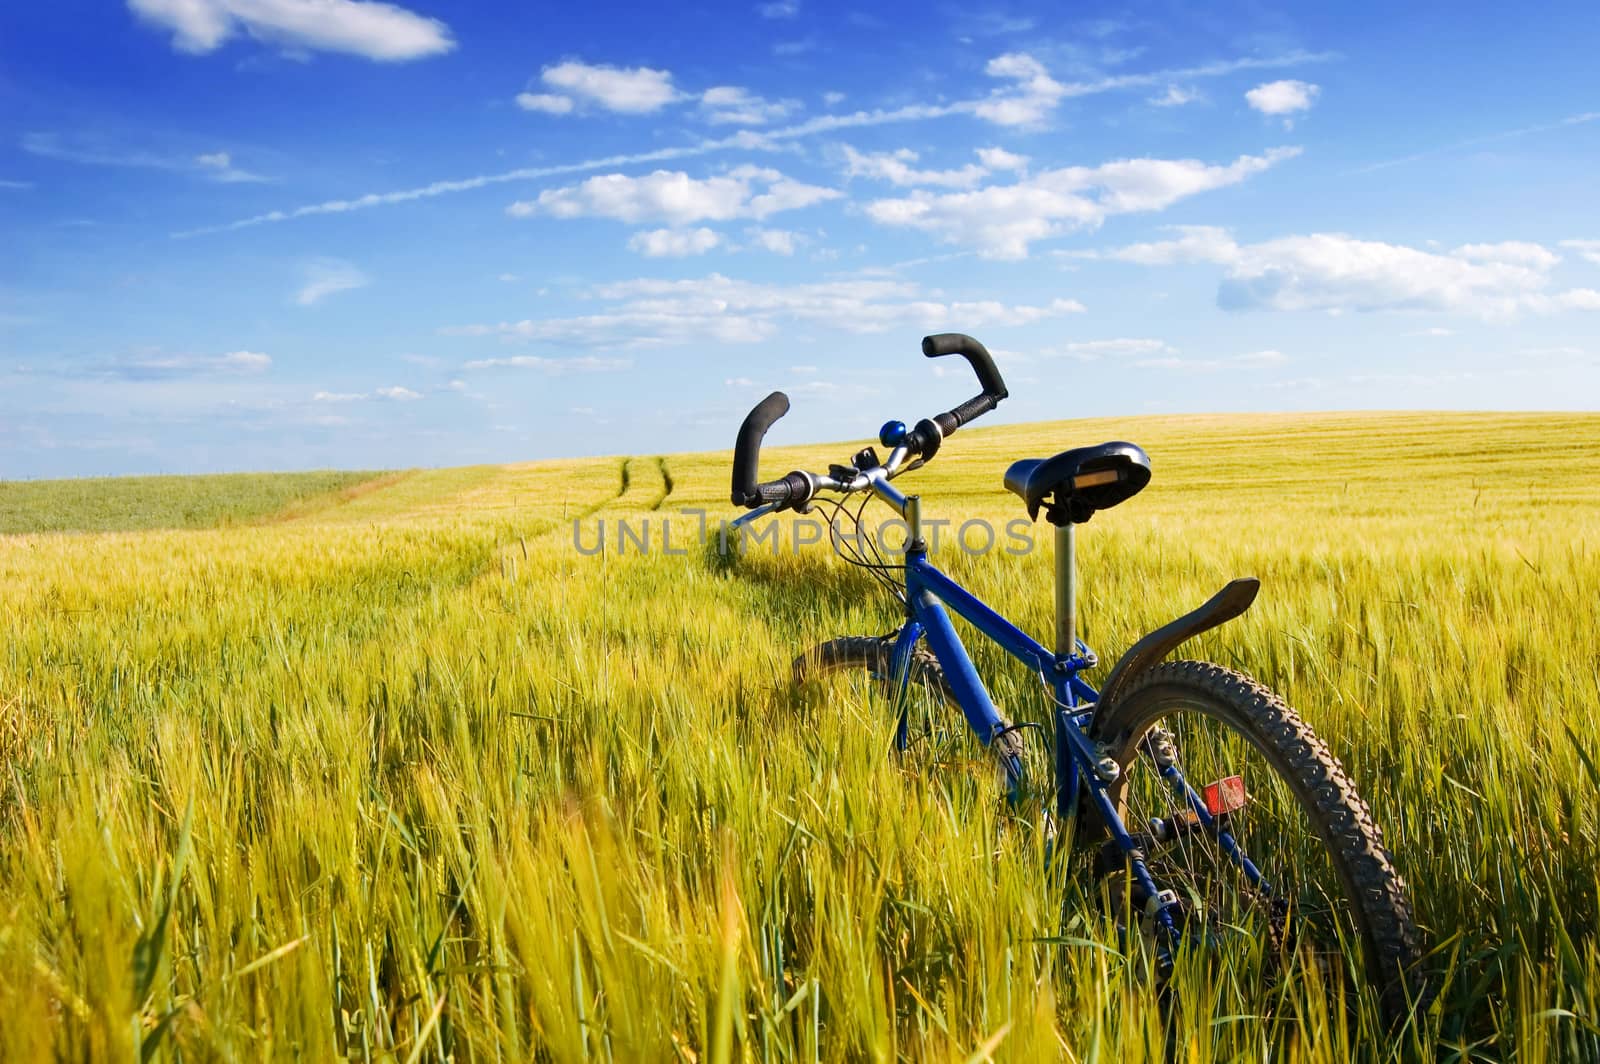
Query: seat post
{"type": "Point", "coordinates": [1066, 591]}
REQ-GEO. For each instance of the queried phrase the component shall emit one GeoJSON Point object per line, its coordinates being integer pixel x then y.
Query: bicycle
{"type": "Point", "coordinates": [1184, 864]}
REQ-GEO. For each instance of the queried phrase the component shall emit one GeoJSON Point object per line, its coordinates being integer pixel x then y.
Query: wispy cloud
{"type": "Point", "coordinates": [393, 393]}
{"type": "Point", "coordinates": [1120, 347]}
{"type": "Point", "coordinates": [19, 186]}
{"type": "Point", "coordinates": [777, 241]}
{"type": "Point", "coordinates": [156, 366]}
{"type": "Point", "coordinates": [1256, 360]}
{"type": "Point", "coordinates": [325, 277]}
{"type": "Point", "coordinates": [1175, 96]}
{"type": "Point", "coordinates": [90, 150]}
{"type": "Point", "coordinates": [1588, 250]}
{"type": "Point", "coordinates": [219, 165]}
{"type": "Point", "coordinates": [553, 366]}
{"type": "Point", "coordinates": [747, 139]}
{"type": "Point", "coordinates": [649, 312]}
{"type": "Point", "coordinates": [1488, 138]}
{"type": "Point", "coordinates": [897, 167]}
{"type": "Point", "coordinates": [731, 105]}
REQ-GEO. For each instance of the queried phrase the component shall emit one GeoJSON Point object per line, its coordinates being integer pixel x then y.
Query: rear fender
{"type": "Point", "coordinates": [1223, 607]}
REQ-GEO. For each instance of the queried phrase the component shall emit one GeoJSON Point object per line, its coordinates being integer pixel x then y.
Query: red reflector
{"type": "Point", "coordinates": [1225, 795]}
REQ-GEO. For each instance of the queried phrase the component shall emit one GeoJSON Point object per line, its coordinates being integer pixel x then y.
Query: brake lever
{"type": "Point", "coordinates": [751, 515]}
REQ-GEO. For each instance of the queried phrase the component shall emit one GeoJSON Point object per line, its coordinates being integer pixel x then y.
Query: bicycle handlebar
{"type": "Point", "coordinates": [929, 433]}
{"type": "Point", "coordinates": [973, 352]}
{"type": "Point", "coordinates": [923, 441]}
{"type": "Point", "coordinates": [747, 453]}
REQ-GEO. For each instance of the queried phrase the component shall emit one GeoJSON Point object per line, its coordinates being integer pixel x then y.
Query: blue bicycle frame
{"type": "Point", "coordinates": [1080, 768]}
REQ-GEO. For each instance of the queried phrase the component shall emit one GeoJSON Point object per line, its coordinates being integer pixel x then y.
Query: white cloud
{"type": "Point", "coordinates": [650, 312]}
{"type": "Point", "coordinates": [554, 366]}
{"type": "Point", "coordinates": [325, 277]}
{"type": "Point", "coordinates": [219, 166]}
{"type": "Point", "coordinates": [833, 99]}
{"type": "Point", "coordinates": [1334, 272]}
{"type": "Point", "coordinates": [1518, 252]}
{"type": "Point", "coordinates": [154, 366]}
{"type": "Point", "coordinates": [1088, 350]}
{"type": "Point", "coordinates": [17, 186]}
{"type": "Point", "coordinates": [795, 47]}
{"type": "Point", "coordinates": [777, 241]}
{"type": "Point", "coordinates": [549, 103]}
{"type": "Point", "coordinates": [1000, 159]}
{"type": "Point", "coordinates": [393, 394]}
{"type": "Point", "coordinates": [93, 150]}
{"type": "Point", "coordinates": [380, 31]}
{"type": "Point", "coordinates": [1282, 97]}
{"type": "Point", "coordinates": [1588, 250]}
{"type": "Point", "coordinates": [245, 362]}
{"type": "Point", "coordinates": [743, 140]}
{"type": "Point", "coordinates": [1031, 97]}
{"type": "Point", "coordinates": [625, 90]}
{"type": "Point", "coordinates": [676, 198]}
{"type": "Point", "coordinates": [1001, 221]}
{"type": "Point", "coordinates": [895, 167]}
{"type": "Point", "coordinates": [674, 243]}
{"type": "Point", "coordinates": [1488, 138]}
{"type": "Point", "coordinates": [1175, 96]}
{"type": "Point", "coordinates": [643, 90]}
{"type": "Point", "coordinates": [732, 105]}
{"type": "Point", "coordinates": [1253, 360]}
{"type": "Point", "coordinates": [780, 9]}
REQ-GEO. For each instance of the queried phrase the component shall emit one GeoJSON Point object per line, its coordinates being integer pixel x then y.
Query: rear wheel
{"type": "Point", "coordinates": [1190, 733]}
{"type": "Point", "coordinates": [927, 706]}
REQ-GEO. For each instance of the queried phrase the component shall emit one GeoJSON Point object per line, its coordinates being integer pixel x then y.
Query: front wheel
{"type": "Point", "coordinates": [1252, 824]}
{"type": "Point", "coordinates": [924, 703]}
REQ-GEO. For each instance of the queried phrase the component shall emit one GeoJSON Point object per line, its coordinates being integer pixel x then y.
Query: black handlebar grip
{"type": "Point", "coordinates": [964, 414]}
{"type": "Point", "coordinates": [974, 408]}
{"type": "Point", "coordinates": [973, 352]}
{"type": "Point", "coordinates": [747, 452]}
{"type": "Point", "coordinates": [792, 490]}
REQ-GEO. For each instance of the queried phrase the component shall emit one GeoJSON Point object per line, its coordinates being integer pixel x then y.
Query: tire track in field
{"type": "Point", "coordinates": [329, 502]}
{"type": "Point", "coordinates": [625, 476]}
{"type": "Point", "coordinates": [666, 483]}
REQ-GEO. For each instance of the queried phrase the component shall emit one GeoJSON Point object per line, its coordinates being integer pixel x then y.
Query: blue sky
{"type": "Point", "coordinates": [277, 234]}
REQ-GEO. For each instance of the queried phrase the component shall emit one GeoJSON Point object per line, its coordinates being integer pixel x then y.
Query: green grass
{"type": "Point", "coordinates": [409, 777]}
{"type": "Point", "coordinates": [125, 504]}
